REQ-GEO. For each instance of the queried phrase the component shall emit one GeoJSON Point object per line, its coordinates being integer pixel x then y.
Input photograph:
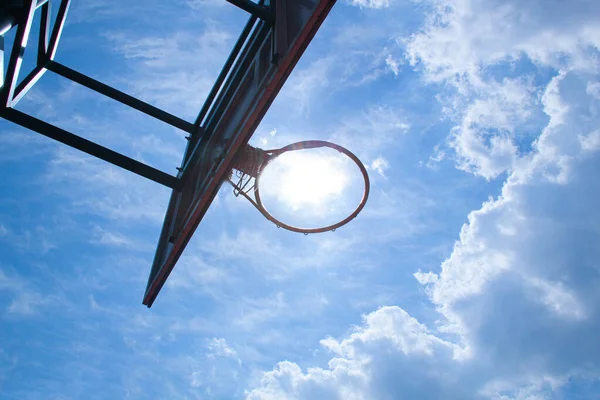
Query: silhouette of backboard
{"type": "Point", "coordinates": [267, 51]}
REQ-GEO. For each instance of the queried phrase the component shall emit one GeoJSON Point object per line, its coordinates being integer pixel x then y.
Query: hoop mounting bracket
{"type": "Point", "coordinates": [251, 162]}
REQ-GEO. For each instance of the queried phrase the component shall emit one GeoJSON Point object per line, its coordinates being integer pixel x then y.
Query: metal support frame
{"type": "Point", "coordinates": [119, 96]}
{"type": "Point", "coordinates": [257, 10]}
{"type": "Point", "coordinates": [225, 71]}
{"type": "Point", "coordinates": [8, 18]}
{"type": "Point", "coordinates": [1, 61]}
{"type": "Point", "coordinates": [16, 55]}
{"type": "Point", "coordinates": [226, 91]}
{"type": "Point", "coordinates": [20, 13]}
{"type": "Point", "coordinates": [90, 147]}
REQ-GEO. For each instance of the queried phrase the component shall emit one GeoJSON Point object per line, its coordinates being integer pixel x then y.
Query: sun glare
{"type": "Point", "coordinates": [306, 179]}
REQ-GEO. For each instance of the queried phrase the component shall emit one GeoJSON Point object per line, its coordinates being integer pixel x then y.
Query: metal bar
{"type": "Point", "coordinates": [254, 9]}
{"type": "Point", "coordinates": [232, 85]}
{"type": "Point", "coordinates": [226, 68]}
{"type": "Point", "coordinates": [10, 13]}
{"type": "Point", "coordinates": [262, 30]}
{"type": "Point", "coordinates": [119, 96]}
{"type": "Point", "coordinates": [90, 148]}
{"type": "Point", "coordinates": [41, 3]}
{"type": "Point", "coordinates": [16, 55]}
{"type": "Point", "coordinates": [59, 24]}
{"type": "Point", "coordinates": [8, 18]}
{"type": "Point", "coordinates": [44, 33]}
{"type": "Point", "coordinates": [27, 84]}
{"type": "Point", "coordinates": [1, 61]}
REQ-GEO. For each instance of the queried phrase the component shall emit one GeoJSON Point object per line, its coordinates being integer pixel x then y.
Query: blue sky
{"type": "Point", "coordinates": [472, 273]}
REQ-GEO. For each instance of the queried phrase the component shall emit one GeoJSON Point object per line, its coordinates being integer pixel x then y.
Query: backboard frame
{"type": "Point", "coordinates": [269, 47]}
{"type": "Point", "coordinates": [284, 51]}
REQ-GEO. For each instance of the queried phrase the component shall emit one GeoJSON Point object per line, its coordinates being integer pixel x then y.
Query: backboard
{"type": "Point", "coordinates": [262, 59]}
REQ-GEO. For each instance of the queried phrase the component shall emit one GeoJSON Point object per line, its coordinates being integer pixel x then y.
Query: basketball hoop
{"type": "Point", "coordinates": [251, 161]}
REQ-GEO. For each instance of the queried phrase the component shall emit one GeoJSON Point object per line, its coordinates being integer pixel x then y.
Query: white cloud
{"type": "Point", "coordinates": [166, 149]}
{"type": "Point", "coordinates": [393, 324]}
{"type": "Point", "coordinates": [308, 83]}
{"type": "Point", "coordinates": [26, 303]}
{"type": "Point", "coordinates": [464, 40]}
{"type": "Point", "coordinates": [370, 132]}
{"type": "Point", "coordinates": [167, 79]}
{"type": "Point", "coordinates": [526, 252]}
{"type": "Point", "coordinates": [393, 64]}
{"type": "Point", "coordinates": [533, 389]}
{"type": "Point", "coordinates": [272, 257]}
{"type": "Point", "coordinates": [463, 37]}
{"type": "Point", "coordinates": [371, 3]}
{"type": "Point", "coordinates": [105, 237]}
{"type": "Point", "coordinates": [437, 157]}
{"type": "Point", "coordinates": [389, 340]}
{"type": "Point", "coordinates": [218, 347]}
{"type": "Point", "coordinates": [201, 4]}
{"type": "Point", "coordinates": [254, 312]}
{"type": "Point", "coordinates": [380, 165]}
{"type": "Point", "coordinates": [591, 141]}
{"type": "Point", "coordinates": [105, 190]}
{"type": "Point", "coordinates": [25, 299]}
{"type": "Point", "coordinates": [356, 56]}
{"type": "Point", "coordinates": [484, 141]}
{"type": "Point", "coordinates": [558, 299]}
{"type": "Point", "coordinates": [21, 145]}
{"type": "Point", "coordinates": [426, 278]}
{"type": "Point", "coordinates": [193, 271]}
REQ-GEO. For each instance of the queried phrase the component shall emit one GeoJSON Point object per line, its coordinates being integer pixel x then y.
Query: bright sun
{"type": "Point", "coordinates": [306, 179]}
